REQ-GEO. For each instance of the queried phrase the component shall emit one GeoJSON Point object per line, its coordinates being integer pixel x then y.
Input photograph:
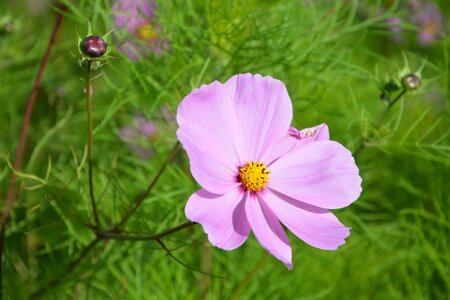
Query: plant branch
{"type": "Point", "coordinates": [388, 108]}
{"type": "Point", "coordinates": [138, 201]}
{"type": "Point", "coordinates": [169, 253]}
{"type": "Point", "coordinates": [112, 234]}
{"type": "Point", "coordinates": [124, 237]}
{"type": "Point", "coordinates": [381, 119]}
{"type": "Point", "coordinates": [107, 236]}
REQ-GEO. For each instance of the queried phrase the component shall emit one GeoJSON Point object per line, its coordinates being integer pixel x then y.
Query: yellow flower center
{"type": "Point", "coordinates": [430, 27]}
{"type": "Point", "coordinates": [254, 176]}
{"type": "Point", "coordinates": [147, 33]}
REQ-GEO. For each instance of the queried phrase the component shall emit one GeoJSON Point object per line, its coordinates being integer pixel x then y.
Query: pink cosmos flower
{"type": "Point", "coordinates": [138, 18]}
{"type": "Point", "coordinates": [257, 172]}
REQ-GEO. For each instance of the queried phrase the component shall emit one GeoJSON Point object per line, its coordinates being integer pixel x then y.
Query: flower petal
{"type": "Point", "coordinates": [316, 133]}
{"type": "Point", "coordinates": [295, 137]}
{"type": "Point", "coordinates": [211, 109]}
{"type": "Point", "coordinates": [209, 165]}
{"type": "Point", "coordinates": [210, 134]}
{"type": "Point", "coordinates": [321, 173]}
{"type": "Point", "coordinates": [281, 148]}
{"type": "Point", "coordinates": [316, 226]}
{"type": "Point", "coordinates": [222, 217]}
{"type": "Point", "coordinates": [267, 229]}
{"type": "Point", "coordinates": [264, 112]}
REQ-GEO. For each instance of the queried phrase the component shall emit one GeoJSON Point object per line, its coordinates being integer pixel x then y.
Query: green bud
{"type": "Point", "coordinates": [411, 82]}
{"type": "Point", "coordinates": [391, 86]}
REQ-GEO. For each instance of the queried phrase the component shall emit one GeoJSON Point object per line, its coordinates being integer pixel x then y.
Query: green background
{"type": "Point", "coordinates": [332, 56]}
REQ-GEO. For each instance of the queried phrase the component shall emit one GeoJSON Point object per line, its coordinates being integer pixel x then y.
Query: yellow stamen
{"type": "Point", "coordinates": [254, 176]}
{"type": "Point", "coordinates": [147, 33]}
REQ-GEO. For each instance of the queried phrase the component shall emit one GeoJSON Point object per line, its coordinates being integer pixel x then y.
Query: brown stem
{"type": "Point", "coordinates": [23, 138]}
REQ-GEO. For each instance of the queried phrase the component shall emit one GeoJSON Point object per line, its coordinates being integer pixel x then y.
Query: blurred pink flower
{"type": "Point", "coordinates": [138, 18]}
{"type": "Point", "coordinates": [429, 19]}
{"type": "Point", "coordinates": [425, 15]}
{"type": "Point", "coordinates": [256, 171]}
{"type": "Point", "coordinates": [395, 28]}
{"type": "Point", "coordinates": [139, 136]}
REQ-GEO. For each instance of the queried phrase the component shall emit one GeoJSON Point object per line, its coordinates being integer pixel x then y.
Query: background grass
{"type": "Point", "coordinates": [330, 54]}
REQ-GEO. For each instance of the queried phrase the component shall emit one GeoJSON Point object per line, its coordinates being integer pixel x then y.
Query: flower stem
{"type": "Point", "coordinates": [250, 275]}
{"type": "Point", "coordinates": [388, 108]}
{"type": "Point", "coordinates": [106, 236]}
{"type": "Point", "coordinates": [381, 119]}
{"type": "Point", "coordinates": [139, 199]}
{"type": "Point", "coordinates": [90, 142]}
{"type": "Point", "coordinates": [112, 234]}
{"type": "Point", "coordinates": [5, 217]}
{"type": "Point", "coordinates": [125, 237]}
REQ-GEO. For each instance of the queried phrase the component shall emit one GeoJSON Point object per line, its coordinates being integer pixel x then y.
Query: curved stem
{"type": "Point", "coordinates": [105, 236]}
{"type": "Point", "coordinates": [259, 264]}
{"type": "Point", "coordinates": [381, 119]}
{"type": "Point", "coordinates": [388, 108]}
{"type": "Point", "coordinates": [169, 253]}
{"type": "Point", "coordinates": [90, 142]}
{"type": "Point", "coordinates": [112, 233]}
{"type": "Point", "coordinates": [138, 201]}
{"type": "Point", "coordinates": [123, 237]}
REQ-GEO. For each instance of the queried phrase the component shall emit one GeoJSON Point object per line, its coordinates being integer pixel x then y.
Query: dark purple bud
{"type": "Point", "coordinates": [93, 46]}
{"type": "Point", "coordinates": [411, 82]}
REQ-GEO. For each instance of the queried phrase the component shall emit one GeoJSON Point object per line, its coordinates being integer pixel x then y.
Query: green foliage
{"type": "Point", "coordinates": [332, 55]}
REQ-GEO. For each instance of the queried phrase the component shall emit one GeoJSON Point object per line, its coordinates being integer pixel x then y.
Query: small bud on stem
{"type": "Point", "coordinates": [93, 46]}
{"type": "Point", "coordinates": [411, 82]}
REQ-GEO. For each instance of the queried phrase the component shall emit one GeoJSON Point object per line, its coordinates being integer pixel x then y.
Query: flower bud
{"type": "Point", "coordinates": [93, 46]}
{"type": "Point", "coordinates": [411, 82]}
{"type": "Point", "coordinates": [390, 86]}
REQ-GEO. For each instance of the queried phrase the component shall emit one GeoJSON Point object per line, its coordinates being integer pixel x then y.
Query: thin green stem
{"type": "Point", "coordinates": [124, 237]}
{"type": "Point", "coordinates": [250, 275]}
{"type": "Point", "coordinates": [139, 199]}
{"type": "Point", "coordinates": [106, 236]}
{"type": "Point", "coordinates": [169, 253]}
{"type": "Point", "coordinates": [112, 234]}
{"type": "Point", "coordinates": [381, 119]}
{"type": "Point", "coordinates": [388, 108]}
{"type": "Point", "coordinates": [90, 142]}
